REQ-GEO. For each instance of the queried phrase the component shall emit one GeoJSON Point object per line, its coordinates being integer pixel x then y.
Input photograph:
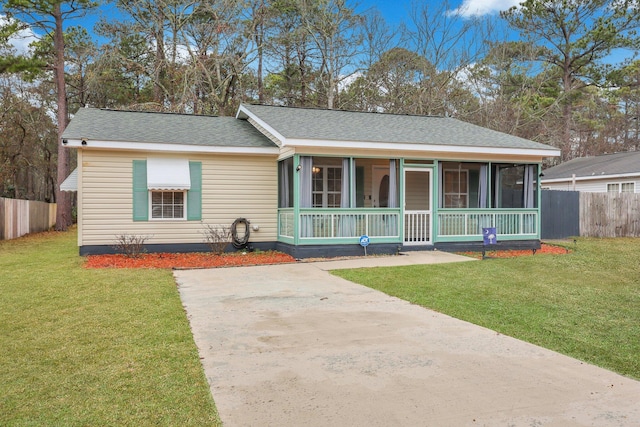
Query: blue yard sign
{"type": "Point", "coordinates": [364, 242]}
{"type": "Point", "coordinates": [489, 236]}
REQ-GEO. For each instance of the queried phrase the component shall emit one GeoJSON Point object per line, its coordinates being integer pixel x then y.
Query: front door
{"type": "Point", "coordinates": [417, 206]}
{"type": "Point", "coordinates": [380, 187]}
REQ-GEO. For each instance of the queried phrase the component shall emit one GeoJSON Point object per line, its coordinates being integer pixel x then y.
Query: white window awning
{"type": "Point", "coordinates": [168, 174]}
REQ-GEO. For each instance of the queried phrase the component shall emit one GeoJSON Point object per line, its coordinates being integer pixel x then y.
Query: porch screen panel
{"type": "Point", "coordinates": [393, 184]}
{"type": "Point", "coordinates": [306, 182]}
{"type": "Point", "coordinates": [482, 187]}
{"type": "Point", "coordinates": [347, 223]}
{"type": "Point", "coordinates": [528, 186]}
{"type": "Point", "coordinates": [285, 189]}
{"type": "Point", "coordinates": [306, 195]}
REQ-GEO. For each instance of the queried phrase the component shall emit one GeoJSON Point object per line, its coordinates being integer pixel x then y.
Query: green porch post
{"type": "Point", "coordinates": [401, 202]}
{"type": "Point", "coordinates": [435, 197]}
{"type": "Point", "coordinates": [539, 197]}
{"type": "Point", "coordinates": [296, 200]}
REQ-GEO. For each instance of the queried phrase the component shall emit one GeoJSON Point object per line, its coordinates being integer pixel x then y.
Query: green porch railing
{"type": "Point", "coordinates": [339, 225]}
{"type": "Point", "coordinates": [286, 223]}
{"type": "Point", "coordinates": [470, 222]}
{"type": "Point", "coordinates": [348, 223]}
{"type": "Point", "coordinates": [335, 224]}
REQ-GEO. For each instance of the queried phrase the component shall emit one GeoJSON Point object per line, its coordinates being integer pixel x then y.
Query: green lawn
{"type": "Point", "coordinates": [585, 304]}
{"type": "Point", "coordinates": [93, 347]}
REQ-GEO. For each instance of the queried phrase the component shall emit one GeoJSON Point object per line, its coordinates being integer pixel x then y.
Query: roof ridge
{"type": "Point", "coordinates": [348, 111]}
{"type": "Point", "coordinates": [168, 113]}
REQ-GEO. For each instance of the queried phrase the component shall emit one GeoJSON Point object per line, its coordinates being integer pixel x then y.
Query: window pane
{"type": "Point", "coordinates": [612, 188]}
{"type": "Point", "coordinates": [333, 200]}
{"type": "Point", "coordinates": [167, 204]}
{"type": "Point", "coordinates": [628, 187]}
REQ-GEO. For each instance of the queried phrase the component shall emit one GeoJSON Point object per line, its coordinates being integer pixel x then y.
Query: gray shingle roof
{"type": "Point", "coordinates": [316, 124]}
{"type": "Point", "coordinates": [133, 126]}
{"type": "Point", "coordinates": [607, 164]}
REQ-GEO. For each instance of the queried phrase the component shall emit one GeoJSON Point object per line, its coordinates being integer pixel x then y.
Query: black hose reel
{"type": "Point", "coordinates": [240, 242]}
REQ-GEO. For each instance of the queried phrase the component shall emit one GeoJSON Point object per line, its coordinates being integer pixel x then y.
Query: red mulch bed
{"type": "Point", "coordinates": [544, 249]}
{"type": "Point", "coordinates": [187, 260]}
{"type": "Point", "coordinates": [208, 260]}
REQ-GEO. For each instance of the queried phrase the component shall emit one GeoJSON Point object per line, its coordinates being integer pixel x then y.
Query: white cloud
{"type": "Point", "coordinates": [470, 8]}
{"type": "Point", "coordinates": [21, 40]}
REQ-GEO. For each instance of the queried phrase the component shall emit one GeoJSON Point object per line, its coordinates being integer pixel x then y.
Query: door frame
{"type": "Point", "coordinates": [429, 212]}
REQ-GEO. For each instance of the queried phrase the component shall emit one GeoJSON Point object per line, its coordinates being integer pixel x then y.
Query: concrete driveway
{"type": "Point", "coordinates": [292, 345]}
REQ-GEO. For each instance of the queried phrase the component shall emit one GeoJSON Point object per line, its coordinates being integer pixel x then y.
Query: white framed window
{"type": "Point", "coordinates": [621, 187]}
{"type": "Point", "coordinates": [456, 188]}
{"type": "Point", "coordinates": [326, 188]}
{"type": "Point", "coordinates": [628, 187]}
{"type": "Point", "coordinates": [167, 204]}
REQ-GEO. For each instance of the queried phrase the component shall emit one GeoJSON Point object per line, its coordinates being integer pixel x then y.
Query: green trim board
{"type": "Point", "coordinates": [140, 191]}
{"type": "Point", "coordinates": [194, 195]}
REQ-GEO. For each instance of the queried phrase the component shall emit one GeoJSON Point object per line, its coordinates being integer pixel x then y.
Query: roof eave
{"type": "Point", "coordinates": [590, 177]}
{"type": "Point", "coordinates": [86, 143]}
{"type": "Point", "coordinates": [439, 148]}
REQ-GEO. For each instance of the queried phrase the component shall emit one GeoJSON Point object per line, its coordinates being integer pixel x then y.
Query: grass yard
{"type": "Point", "coordinates": [93, 347]}
{"type": "Point", "coordinates": [585, 304]}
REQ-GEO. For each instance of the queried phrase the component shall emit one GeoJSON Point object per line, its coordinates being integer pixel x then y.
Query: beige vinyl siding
{"type": "Point", "coordinates": [233, 186]}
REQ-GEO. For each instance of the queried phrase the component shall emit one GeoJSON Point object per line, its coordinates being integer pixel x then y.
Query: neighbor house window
{"type": "Point", "coordinates": [456, 188]}
{"type": "Point", "coordinates": [168, 204]}
{"type": "Point", "coordinates": [327, 181]}
{"type": "Point", "coordinates": [624, 187]}
{"type": "Point", "coordinates": [628, 187]}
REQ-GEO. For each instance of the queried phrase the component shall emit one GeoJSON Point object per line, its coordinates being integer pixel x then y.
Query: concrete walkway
{"type": "Point", "coordinates": [292, 345]}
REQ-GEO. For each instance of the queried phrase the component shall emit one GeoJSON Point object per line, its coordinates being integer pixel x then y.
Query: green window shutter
{"type": "Point", "coordinates": [194, 195]}
{"type": "Point", "coordinates": [359, 186]}
{"type": "Point", "coordinates": [140, 191]}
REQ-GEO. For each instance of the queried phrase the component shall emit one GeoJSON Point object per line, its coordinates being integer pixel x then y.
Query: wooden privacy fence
{"type": "Point", "coordinates": [20, 217]}
{"type": "Point", "coordinates": [609, 215]}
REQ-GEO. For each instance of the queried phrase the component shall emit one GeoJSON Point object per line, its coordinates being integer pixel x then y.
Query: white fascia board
{"type": "Point", "coordinates": [423, 147]}
{"type": "Point", "coordinates": [170, 148]}
{"type": "Point", "coordinates": [244, 113]}
{"type": "Point", "coordinates": [591, 177]}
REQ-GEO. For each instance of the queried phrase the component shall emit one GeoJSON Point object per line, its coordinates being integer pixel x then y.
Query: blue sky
{"type": "Point", "coordinates": [395, 12]}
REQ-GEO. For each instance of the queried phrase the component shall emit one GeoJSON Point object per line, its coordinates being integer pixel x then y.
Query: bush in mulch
{"type": "Point", "coordinates": [187, 260]}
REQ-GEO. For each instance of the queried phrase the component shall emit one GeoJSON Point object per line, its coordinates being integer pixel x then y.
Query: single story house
{"type": "Point", "coordinates": [309, 182]}
{"type": "Point", "coordinates": [608, 173]}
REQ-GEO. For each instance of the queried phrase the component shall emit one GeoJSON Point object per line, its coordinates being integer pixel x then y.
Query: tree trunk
{"type": "Point", "coordinates": [63, 212]}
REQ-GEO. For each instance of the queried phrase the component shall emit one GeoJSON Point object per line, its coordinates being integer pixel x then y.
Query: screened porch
{"type": "Point", "coordinates": [335, 200]}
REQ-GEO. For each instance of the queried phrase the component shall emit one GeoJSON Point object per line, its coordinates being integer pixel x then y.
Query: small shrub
{"type": "Point", "coordinates": [217, 237]}
{"type": "Point", "coordinates": [131, 245]}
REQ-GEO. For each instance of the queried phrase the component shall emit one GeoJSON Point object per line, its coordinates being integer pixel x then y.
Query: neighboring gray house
{"type": "Point", "coordinates": [608, 173]}
{"type": "Point", "coordinates": [311, 182]}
